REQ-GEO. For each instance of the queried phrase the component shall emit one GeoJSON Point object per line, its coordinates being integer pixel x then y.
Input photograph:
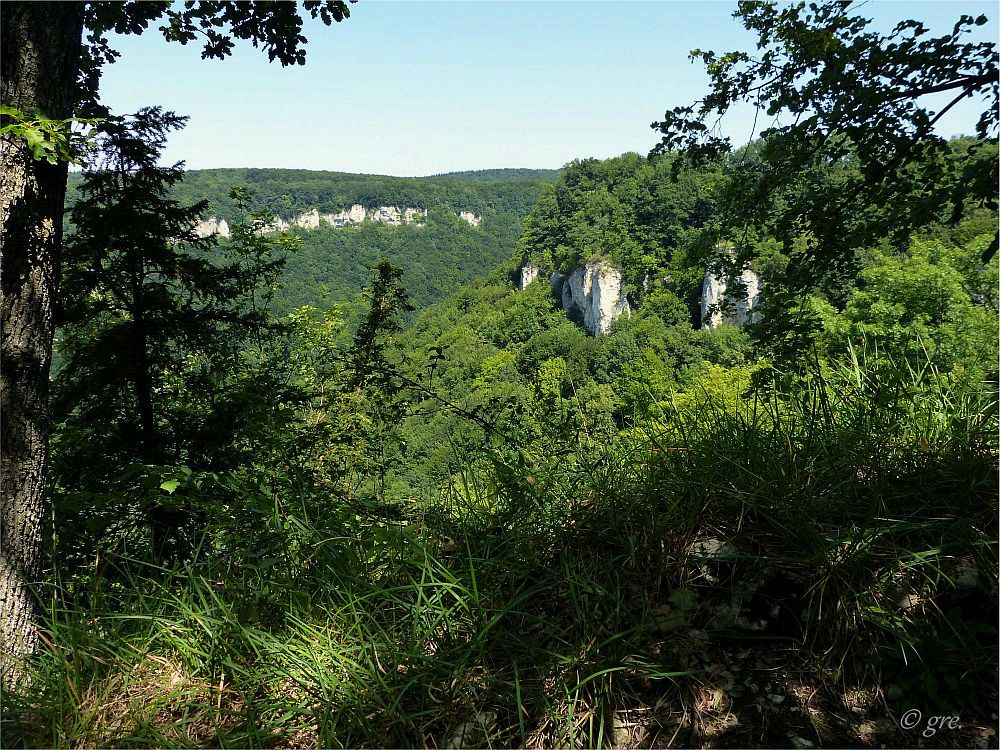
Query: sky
{"type": "Point", "coordinates": [417, 88]}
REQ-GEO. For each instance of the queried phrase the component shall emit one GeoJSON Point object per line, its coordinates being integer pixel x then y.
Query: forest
{"type": "Point", "coordinates": [331, 264]}
{"type": "Point", "coordinates": [689, 448]}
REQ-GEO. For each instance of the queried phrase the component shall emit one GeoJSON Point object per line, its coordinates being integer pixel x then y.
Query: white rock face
{"type": "Point", "coordinates": [211, 226]}
{"type": "Point", "coordinates": [313, 219]}
{"type": "Point", "coordinates": [529, 273]}
{"type": "Point", "coordinates": [595, 294]}
{"type": "Point", "coordinates": [713, 294]}
{"type": "Point", "coordinates": [396, 216]}
{"type": "Point", "coordinates": [354, 215]}
{"type": "Point", "coordinates": [388, 215]}
{"type": "Point", "coordinates": [411, 215]}
{"type": "Point", "coordinates": [278, 225]}
{"type": "Point", "coordinates": [308, 220]}
{"type": "Point", "coordinates": [469, 217]}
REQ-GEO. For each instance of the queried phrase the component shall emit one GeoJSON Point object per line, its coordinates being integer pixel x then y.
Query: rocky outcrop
{"type": "Point", "coordinates": [308, 220]}
{"type": "Point", "coordinates": [387, 215]}
{"type": "Point", "coordinates": [413, 215]}
{"type": "Point", "coordinates": [395, 215]}
{"type": "Point", "coordinates": [736, 307]}
{"type": "Point", "coordinates": [469, 217]}
{"type": "Point", "coordinates": [594, 295]}
{"type": "Point", "coordinates": [211, 226]}
{"type": "Point", "coordinates": [354, 215]}
{"type": "Point", "coordinates": [529, 272]}
{"type": "Point", "coordinates": [277, 225]}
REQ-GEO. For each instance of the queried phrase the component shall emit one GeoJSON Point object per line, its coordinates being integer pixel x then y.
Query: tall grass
{"type": "Point", "coordinates": [585, 600]}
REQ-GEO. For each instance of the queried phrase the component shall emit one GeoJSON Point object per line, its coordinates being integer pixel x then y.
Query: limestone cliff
{"type": "Point", "coordinates": [594, 294]}
{"type": "Point", "coordinates": [716, 309]}
{"type": "Point", "coordinates": [529, 273]}
{"type": "Point", "coordinates": [394, 215]}
{"type": "Point", "coordinates": [353, 215]}
{"type": "Point", "coordinates": [211, 226]}
{"type": "Point", "coordinates": [278, 225]}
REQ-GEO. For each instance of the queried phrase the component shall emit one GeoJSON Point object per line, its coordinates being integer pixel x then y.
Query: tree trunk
{"type": "Point", "coordinates": [160, 521]}
{"type": "Point", "coordinates": [39, 51]}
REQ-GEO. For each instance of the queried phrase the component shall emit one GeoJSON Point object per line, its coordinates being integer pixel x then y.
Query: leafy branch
{"type": "Point", "coordinates": [48, 140]}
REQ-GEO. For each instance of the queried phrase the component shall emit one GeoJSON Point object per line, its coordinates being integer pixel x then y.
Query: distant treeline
{"type": "Point", "coordinates": [502, 175]}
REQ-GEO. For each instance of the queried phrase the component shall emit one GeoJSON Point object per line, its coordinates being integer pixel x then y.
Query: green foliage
{"type": "Point", "coordinates": [502, 175]}
{"type": "Point", "coordinates": [373, 372]}
{"type": "Point", "coordinates": [155, 345]}
{"type": "Point", "coordinates": [920, 305]}
{"type": "Point", "coordinates": [48, 140]}
{"type": "Point", "coordinates": [627, 210]}
{"type": "Point", "coordinates": [548, 592]}
{"type": "Point", "coordinates": [289, 192]}
{"type": "Point", "coordinates": [850, 158]}
{"type": "Point", "coordinates": [478, 525]}
{"type": "Point", "coordinates": [332, 263]}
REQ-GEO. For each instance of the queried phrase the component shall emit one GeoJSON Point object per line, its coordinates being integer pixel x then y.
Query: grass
{"type": "Point", "coordinates": [795, 569]}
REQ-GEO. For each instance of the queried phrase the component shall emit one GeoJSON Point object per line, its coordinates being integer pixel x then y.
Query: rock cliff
{"type": "Point", "coordinates": [278, 225]}
{"type": "Point", "coordinates": [594, 294]}
{"type": "Point", "coordinates": [716, 309]}
{"type": "Point", "coordinates": [211, 226]}
{"type": "Point", "coordinates": [354, 215]}
{"type": "Point", "coordinates": [529, 273]}
{"type": "Point", "coordinates": [394, 215]}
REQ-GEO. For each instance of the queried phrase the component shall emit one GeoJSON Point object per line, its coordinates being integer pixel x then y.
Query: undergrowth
{"type": "Point", "coordinates": [725, 576]}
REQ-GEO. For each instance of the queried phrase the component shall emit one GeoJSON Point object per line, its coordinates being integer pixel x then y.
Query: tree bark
{"type": "Point", "coordinates": [39, 52]}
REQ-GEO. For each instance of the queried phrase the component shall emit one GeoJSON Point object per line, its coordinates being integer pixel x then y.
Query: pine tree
{"type": "Point", "coordinates": [156, 321]}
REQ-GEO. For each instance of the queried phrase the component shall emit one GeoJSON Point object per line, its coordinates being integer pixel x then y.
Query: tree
{"type": "Point", "coordinates": [856, 160]}
{"type": "Point", "coordinates": [925, 305]}
{"type": "Point", "coordinates": [370, 371]}
{"type": "Point", "coordinates": [46, 68]}
{"type": "Point", "coordinates": [40, 77]}
{"type": "Point", "coordinates": [153, 327]}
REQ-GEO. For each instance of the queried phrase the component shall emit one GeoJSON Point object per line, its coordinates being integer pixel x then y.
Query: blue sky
{"type": "Point", "coordinates": [415, 88]}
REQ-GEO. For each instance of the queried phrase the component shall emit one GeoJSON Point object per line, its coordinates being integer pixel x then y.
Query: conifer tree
{"type": "Point", "coordinates": [155, 319]}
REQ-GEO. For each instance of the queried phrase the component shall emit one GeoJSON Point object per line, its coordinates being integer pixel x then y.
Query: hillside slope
{"type": "Point", "coordinates": [437, 255]}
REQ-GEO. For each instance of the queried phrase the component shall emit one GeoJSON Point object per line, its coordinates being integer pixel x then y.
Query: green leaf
{"type": "Point", "coordinates": [682, 599]}
{"type": "Point", "coordinates": [170, 485]}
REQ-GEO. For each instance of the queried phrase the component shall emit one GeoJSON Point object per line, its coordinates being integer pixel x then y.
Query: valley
{"type": "Point", "coordinates": [695, 445]}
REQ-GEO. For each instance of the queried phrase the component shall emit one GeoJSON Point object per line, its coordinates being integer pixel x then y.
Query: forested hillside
{"type": "Point", "coordinates": [498, 175]}
{"type": "Point", "coordinates": [331, 264]}
{"type": "Point", "coordinates": [288, 192]}
{"type": "Point", "coordinates": [517, 357]}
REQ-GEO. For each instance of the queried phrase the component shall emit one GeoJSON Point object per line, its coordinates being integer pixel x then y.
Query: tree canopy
{"type": "Point", "coordinates": [844, 99]}
{"type": "Point", "coordinates": [49, 72]}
